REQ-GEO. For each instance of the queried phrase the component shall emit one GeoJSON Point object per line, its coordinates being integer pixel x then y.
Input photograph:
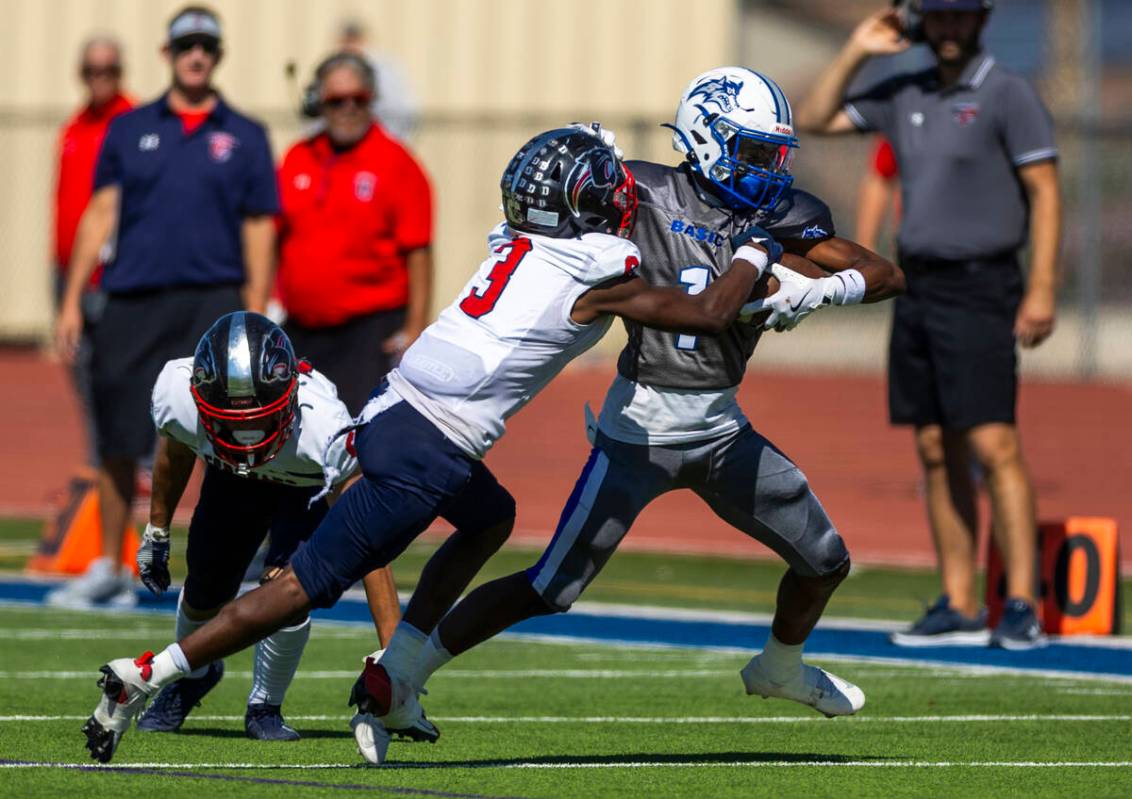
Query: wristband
{"type": "Point", "coordinates": [845, 288]}
{"type": "Point", "coordinates": [757, 257]}
{"type": "Point", "coordinates": [156, 533]}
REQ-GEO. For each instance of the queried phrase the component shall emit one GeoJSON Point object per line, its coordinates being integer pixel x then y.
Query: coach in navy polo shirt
{"type": "Point", "coordinates": [188, 183]}
{"type": "Point", "coordinates": [978, 173]}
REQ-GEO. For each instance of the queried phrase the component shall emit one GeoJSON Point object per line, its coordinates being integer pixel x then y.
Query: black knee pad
{"type": "Point", "coordinates": [205, 594]}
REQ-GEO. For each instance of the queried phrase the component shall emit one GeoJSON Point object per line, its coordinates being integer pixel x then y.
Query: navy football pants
{"type": "Point", "coordinates": [412, 474]}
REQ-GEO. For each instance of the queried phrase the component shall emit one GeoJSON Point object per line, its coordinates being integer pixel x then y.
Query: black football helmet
{"type": "Point", "coordinates": [245, 385]}
{"type": "Point", "coordinates": [566, 182]}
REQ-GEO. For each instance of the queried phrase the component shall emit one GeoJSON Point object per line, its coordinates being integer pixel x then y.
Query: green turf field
{"type": "Point", "coordinates": [521, 718]}
{"type": "Point", "coordinates": [538, 719]}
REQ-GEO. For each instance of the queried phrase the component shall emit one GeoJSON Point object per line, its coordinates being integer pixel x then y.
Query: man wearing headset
{"type": "Point", "coordinates": [355, 266]}
{"type": "Point", "coordinates": [978, 173]}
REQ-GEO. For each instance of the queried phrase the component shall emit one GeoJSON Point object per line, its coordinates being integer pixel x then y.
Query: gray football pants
{"type": "Point", "coordinates": [748, 482]}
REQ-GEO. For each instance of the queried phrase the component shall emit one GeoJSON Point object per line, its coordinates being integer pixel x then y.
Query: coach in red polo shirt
{"type": "Point", "coordinates": [80, 138]}
{"type": "Point", "coordinates": [355, 268]}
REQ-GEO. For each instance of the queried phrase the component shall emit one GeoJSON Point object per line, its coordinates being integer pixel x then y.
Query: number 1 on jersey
{"type": "Point", "coordinates": [476, 305]}
{"type": "Point", "coordinates": [694, 279]}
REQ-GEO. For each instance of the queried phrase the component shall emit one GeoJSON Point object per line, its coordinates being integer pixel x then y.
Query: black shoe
{"type": "Point", "coordinates": [1018, 629]}
{"type": "Point", "coordinates": [176, 701]}
{"type": "Point", "coordinates": [264, 722]}
{"type": "Point", "coordinates": [942, 625]}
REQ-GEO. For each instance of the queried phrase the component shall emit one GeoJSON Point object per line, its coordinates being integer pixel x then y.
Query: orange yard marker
{"type": "Point", "coordinates": [1079, 577]}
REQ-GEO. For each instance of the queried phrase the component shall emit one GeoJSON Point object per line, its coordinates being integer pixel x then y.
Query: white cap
{"type": "Point", "coordinates": [194, 23]}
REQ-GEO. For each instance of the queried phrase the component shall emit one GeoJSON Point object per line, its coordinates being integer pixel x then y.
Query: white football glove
{"type": "Point", "coordinates": [607, 137]}
{"type": "Point", "coordinates": [797, 297]}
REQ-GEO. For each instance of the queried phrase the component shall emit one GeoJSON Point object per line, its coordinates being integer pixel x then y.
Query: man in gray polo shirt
{"type": "Point", "coordinates": [978, 174]}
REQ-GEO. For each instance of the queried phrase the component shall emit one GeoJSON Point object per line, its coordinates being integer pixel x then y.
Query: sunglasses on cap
{"type": "Point", "coordinates": [89, 71]}
{"type": "Point", "coordinates": [339, 101]}
{"type": "Point", "coordinates": [185, 44]}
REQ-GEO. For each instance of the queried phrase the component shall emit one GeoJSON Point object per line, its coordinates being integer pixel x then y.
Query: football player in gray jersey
{"type": "Point", "coordinates": [670, 419]}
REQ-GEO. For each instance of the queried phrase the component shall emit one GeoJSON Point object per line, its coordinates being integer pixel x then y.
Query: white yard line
{"type": "Point", "coordinates": [939, 670]}
{"type": "Point", "coordinates": [509, 764]}
{"type": "Point", "coordinates": [666, 719]}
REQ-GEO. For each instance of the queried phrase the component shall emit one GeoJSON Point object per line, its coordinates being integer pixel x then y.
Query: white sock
{"type": "Point", "coordinates": [185, 626]}
{"type": "Point", "coordinates": [276, 660]}
{"type": "Point", "coordinates": [404, 647]}
{"type": "Point", "coordinates": [168, 665]}
{"type": "Point", "coordinates": [780, 661]}
{"type": "Point", "coordinates": [433, 655]}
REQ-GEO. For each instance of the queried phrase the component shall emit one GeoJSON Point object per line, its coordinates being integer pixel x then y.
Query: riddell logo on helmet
{"type": "Point", "coordinates": [789, 131]}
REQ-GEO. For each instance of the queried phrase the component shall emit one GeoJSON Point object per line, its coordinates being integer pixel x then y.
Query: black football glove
{"type": "Point", "coordinates": [153, 559]}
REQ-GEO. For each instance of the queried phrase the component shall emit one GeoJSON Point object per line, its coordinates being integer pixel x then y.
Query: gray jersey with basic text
{"type": "Point", "coordinates": [686, 241]}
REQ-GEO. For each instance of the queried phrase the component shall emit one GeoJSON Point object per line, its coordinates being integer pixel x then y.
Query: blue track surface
{"type": "Point", "coordinates": [850, 643]}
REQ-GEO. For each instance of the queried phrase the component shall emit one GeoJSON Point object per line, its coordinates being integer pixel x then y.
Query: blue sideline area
{"type": "Point", "coordinates": [1061, 657]}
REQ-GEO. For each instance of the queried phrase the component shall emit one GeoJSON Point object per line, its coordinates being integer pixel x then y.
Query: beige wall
{"type": "Point", "coordinates": [489, 73]}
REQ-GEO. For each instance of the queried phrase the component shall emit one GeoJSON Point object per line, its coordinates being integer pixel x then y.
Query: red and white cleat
{"type": "Point", "coordinates": [387, 706]}
{"type": "Point", "coordinates": [125, 688]}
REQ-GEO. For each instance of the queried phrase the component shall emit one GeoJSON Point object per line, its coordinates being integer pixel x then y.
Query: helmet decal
{"type": "Point", "coordinates": [596, 169]}
{"type": "Point", "coordinates": [277, 364]}
{"type": "Point", "coordinates": [204, 364]}
{"type": "Point", "coordinates": [721, 92]}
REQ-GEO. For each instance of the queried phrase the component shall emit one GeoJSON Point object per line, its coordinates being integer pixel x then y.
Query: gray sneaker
{"type": "Point", "coordinates": [1018, 629]}
{"type": "Point", "coordinates": [101, 585]}
{"type": "Point", "coordinates": [942, 625]}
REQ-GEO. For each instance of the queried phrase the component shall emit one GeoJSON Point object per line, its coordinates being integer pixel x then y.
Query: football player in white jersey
{"type": "Point", "coordinates": [557, 272]}
{"type": "Point", "coordinates": [261, 420]}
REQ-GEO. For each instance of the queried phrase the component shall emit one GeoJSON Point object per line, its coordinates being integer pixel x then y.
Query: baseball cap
{"type": "Point", "coordinates": [955, 5]}
{"type": "Point", "coordinates": [194, 22]}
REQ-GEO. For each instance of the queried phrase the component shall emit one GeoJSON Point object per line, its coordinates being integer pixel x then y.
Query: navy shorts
{"type": "Point", "coordinates": [136, 336]}
{"type": "Point", "coordinates": [412, 474]}
{"type": "Point", "coordinates": [231, 520]}
{"type": "Point", "coordinates": [952, 359]}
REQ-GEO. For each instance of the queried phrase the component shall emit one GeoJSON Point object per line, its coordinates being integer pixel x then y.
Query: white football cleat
{"type": "Point", "coordinates": [825, 692]}
{"type": "Point", "coordinates": [371, 737]}
{"type": "Point", "coordinates": [125, 689]}
{"type": "Point", "coordinates": [387, 706]}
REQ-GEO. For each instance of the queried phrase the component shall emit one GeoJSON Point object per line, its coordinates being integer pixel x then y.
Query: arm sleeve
{"type": "Point", "coordinates": [1027, 129]}
{"type": "Point", "coordinates": [108, 168]}
{"type": "Point", "coordinates": [807, 217]}
{"type": "Point", "coordinates": [884, 159]}
{"type": "Point", "coordinates": [169, 393]}
{"type": "Point", "coordinates": [261, 192]}
{"type": "Point", "coordinates": [413, 222]}
{"type": "Point", "coordinates": [323, 437]}
{"type": "Point", "coordinates": [617, 261]}
{"type": "Point", "coordinates": [871, 109]}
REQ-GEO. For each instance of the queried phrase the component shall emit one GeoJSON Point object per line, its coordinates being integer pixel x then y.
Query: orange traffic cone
{"type": "Point", "coordinates": [73, 538]}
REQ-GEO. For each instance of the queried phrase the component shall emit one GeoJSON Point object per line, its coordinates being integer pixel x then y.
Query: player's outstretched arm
{"type": "Point", "coordinates": [172, 467]}
{"type": "Point", "coordinates": [708, 313]}
{"type": "Point", "coordinates": [882, 278]}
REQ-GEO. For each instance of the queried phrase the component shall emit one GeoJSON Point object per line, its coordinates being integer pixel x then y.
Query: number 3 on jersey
{"type": "Point", "coordinates": [694, 279]}
{"type": "Point", "coordinates": [476, 304]}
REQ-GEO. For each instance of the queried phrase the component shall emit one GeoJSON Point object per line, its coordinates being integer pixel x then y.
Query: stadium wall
{"type": "Point", "coordinates": [489, 73]}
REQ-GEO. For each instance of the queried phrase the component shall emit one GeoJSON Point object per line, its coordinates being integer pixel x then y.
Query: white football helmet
{"type": "Point", "coordinates": [735, 127]}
